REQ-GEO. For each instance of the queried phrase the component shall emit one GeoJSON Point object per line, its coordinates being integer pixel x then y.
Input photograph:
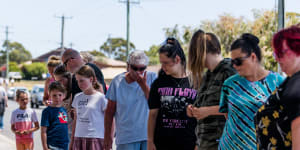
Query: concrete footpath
{"type": "Point", "coordinates": [6, 143]}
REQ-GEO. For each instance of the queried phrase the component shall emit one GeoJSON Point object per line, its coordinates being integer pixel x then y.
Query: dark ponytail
{"type": "Point", "coordinates": [248, 43]}
{"type": "Point", "coordinates": [172, 48]}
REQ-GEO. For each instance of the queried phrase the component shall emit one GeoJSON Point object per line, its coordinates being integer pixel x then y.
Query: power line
{"type": "Point", "coordinates": [128, 2]}
{"type": "Point", "coordinates": [62, 28]}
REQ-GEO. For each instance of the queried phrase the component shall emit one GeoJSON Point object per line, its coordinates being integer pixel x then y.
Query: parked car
{"type": "Point", "coordinates": [15, 75]}
{"type": "Point", "coordinates": [11, 94]}
{"type": "Point", "coordinates": [37, 94]}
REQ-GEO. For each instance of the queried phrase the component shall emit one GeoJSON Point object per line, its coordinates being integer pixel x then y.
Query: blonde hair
{"type": "Point", "coordinates": [201, 44]}
{"type": "Point", "coordinates": [53, 61]}
{"type": "Point", "coordinates": [87, 71]}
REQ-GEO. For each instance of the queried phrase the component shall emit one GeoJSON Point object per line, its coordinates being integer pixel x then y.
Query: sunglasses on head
{"type": "Point", "coordinates": [138, 68]}
{"type": "Point", "coordinates": [239, 61]}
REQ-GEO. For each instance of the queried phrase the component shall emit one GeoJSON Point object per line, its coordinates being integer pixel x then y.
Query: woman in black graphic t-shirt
{"type": "Point", "coordinates": [168, 126]}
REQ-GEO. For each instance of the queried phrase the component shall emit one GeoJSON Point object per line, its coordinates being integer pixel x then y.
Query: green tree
{"type": "Point", "coordinates": [34, 70]}
{"type": "Point", "coordinates": [173, 32]}
{"type": "Point", "coordinates": [183, 35]}
{"type": "Point", "coordinates": [13, 67]}
{"type": "Point", "coordinates": [96, 53]}
{"type": "Point", "coordinates": [116, 48]}
{"type": "Point", "coordinates": [229, 28]}
{"type": "Point", "coordinates": [153, 55]}
{"type": "Point", "coordinates": [264, 26]}
{"type": "Point", "coordinates": [17, 53]}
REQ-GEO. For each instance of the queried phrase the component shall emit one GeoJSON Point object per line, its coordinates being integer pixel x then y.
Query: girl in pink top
{"type": "Point", "coordinates": [53, 62]}
{"type": "Point", "coordinates": [22, 120]}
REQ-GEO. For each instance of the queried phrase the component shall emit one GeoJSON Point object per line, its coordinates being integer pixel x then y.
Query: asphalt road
{"type": "Point", "coordinates": [12, 105]}
{"type": "Point", "coordinates": [9, 135]}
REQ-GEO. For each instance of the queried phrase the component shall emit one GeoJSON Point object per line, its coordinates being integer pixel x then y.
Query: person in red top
{"type": "Point", "coordinates": [53, 62]}
{"type": "Point", "coordinates": [21, 122]}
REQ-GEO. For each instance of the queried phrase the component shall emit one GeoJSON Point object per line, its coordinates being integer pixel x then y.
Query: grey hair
{"type": "Point", "coordinates": [86, 56]}
{"type": "Point", "coordinates": [138, 58]}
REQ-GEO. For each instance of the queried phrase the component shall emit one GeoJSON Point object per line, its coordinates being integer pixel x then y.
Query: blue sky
{"type": "Point", "coordinates": [33, 22]}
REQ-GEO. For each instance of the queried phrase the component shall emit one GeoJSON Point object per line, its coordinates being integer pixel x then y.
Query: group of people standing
{"type": "Point", "coordinates": [205, 102]}
{"type": "Point", "coordinates": [74, 95]}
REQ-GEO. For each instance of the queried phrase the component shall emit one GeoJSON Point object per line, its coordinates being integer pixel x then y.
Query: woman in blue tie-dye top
{"type": "Point", "coordinates": [244, 93]}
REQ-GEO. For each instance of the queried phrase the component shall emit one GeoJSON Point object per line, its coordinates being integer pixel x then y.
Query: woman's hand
{"type": "Point", "coordinates": [189, 110]}
{"type": "Point", "coordinates": [150, 145]}
{"type": "Point", "coordinates": [200, 113]}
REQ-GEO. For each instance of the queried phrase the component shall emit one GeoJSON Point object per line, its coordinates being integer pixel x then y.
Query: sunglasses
{"type": "Point", "coordinates": [239, 61]}
{"type": "Point", "coordinates": [137, 68]}
{"type": "Point", "coordinates": [66, 62]}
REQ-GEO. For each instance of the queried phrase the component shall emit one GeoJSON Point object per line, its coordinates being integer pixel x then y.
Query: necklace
{"type": "Point", "coordinates": [176, 82]}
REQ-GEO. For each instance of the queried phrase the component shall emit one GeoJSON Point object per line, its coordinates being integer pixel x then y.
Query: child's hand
{"type": "Point", "coordinates": [18, 132]}
{"type": "Point", "coordinates": [26, 132]}
{"type": "Point", "coordinates": [47, 102]}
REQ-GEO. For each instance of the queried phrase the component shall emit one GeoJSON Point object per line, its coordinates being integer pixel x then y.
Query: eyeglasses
{"type": "Point", "coordinates": [138, 68]}
{"type": "Point", "coordinates": [66, 62]}
{"type": "Point", "coordinates": [239, 61]}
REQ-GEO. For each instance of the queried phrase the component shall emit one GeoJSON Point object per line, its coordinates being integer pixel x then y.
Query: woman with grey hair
{"type": "Point", "coordinates": [127, 102]}
{"type": "Point", "coordinates": [87, 57]}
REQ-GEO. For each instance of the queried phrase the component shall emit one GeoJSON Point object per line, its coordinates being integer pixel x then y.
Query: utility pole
{"type": "Point", "coordinates": [110, 44]}
{"type": "Point", "coordinates": [71, 45]}
{"type": "Point", "coordinates": [63, 17]}
{"type": "Point", "coordinates": [7, 51]}
{"type": "Point", "coordinates": [281, 16]}
{"type": "Point", "coordinates": [128, 19]}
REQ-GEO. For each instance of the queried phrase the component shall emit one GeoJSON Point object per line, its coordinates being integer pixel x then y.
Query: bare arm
{"type": "Point", "coordinates": [13, 129]}
{"type": "Point", "coordinates": [46, 96]}
{"type": "Point", "coordinates": [203, 112]}
{"type": "Point", "coordinates": [142, 81]}
{"type": "Point", "coordinates": [73, 129]}
{"type": "Point", "coordinates": [296, 133]}
{"type": "Point", "coordinates": [151, 127]}
{"type": "Point", "coordinates": [146, 90]}
{"type": "Point", "coordinates": [108, 124]}
{"type": "Point", "coordinates": [36, 127]}
{"type": "Point", "coordinates": [101, 88]}
{"type": "Point", "coordinates": [226, 115]}
{"type": "Point", "coordinates": [44, 137]}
